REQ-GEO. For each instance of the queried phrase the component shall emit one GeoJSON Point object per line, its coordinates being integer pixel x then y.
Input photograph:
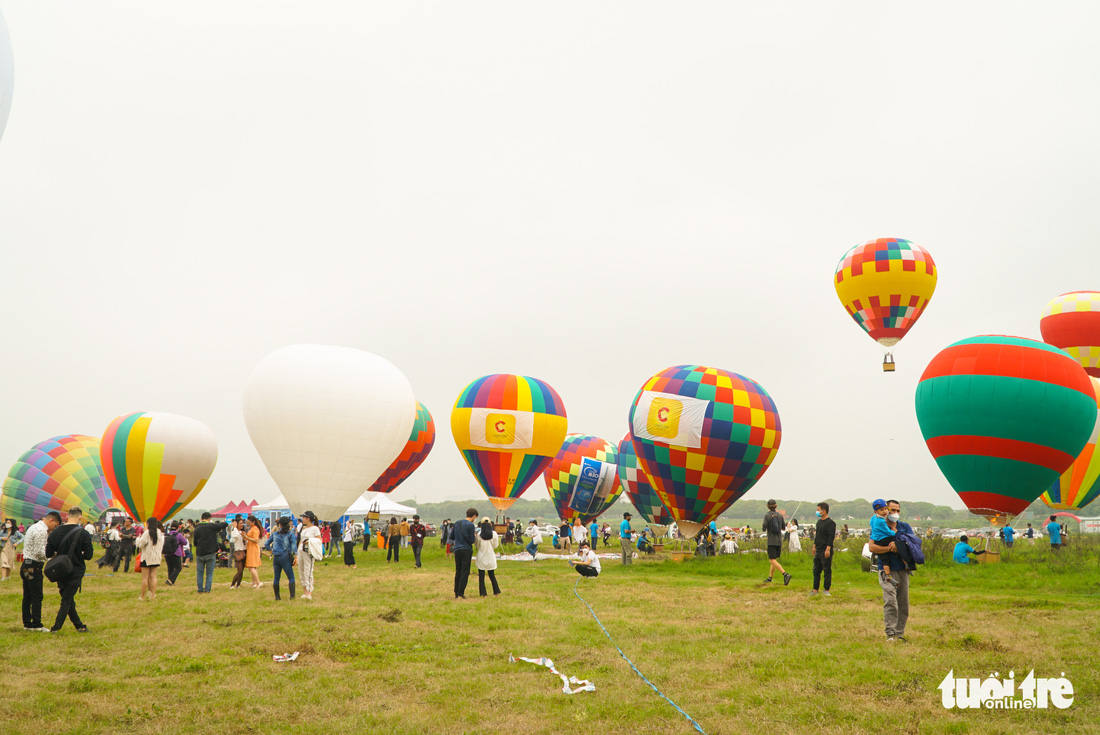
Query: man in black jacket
{"type": "Point", "coordinates": [824, 535]}
{"type": "Point", "coordinates": [127, 535]}
{"type": "Point", "coordinates": [205, 541]}
{"type": "Point", "coordinates": [73, 540]}
{"type": "Point", "coordinates": [463, 534]}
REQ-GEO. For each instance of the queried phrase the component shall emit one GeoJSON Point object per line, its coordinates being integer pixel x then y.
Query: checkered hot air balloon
{"type": "Point", "coordinates": [885, 285]}
{"type": "Point", "coordinates": [637, 488]}
{"type": "Point", "coordinates": [156, 463]}
{"type": "Point", "coordinates": [412, 456]}
{"type": "Point", "coordinates": [1004, 417]}
{"type": "Point", "coordinates": [56, 474]}
{"type": "Point", "coordinates": [564, 470]}
{"type": "Point", "coordinates": [1080, 484]}
{"type": "Point", "coordinates": [1072, 322]}
{"type": "Point", "coordinates": [704, 436]}
{"type": "Point", "coordinates": [508, 428]}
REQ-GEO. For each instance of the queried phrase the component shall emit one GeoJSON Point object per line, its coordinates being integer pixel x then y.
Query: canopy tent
{"type": "Point", "coordinates": [382, 503]}
{"type": "Point", "coordinates": [385, 507]}
{"type": "Point", "coordinates": [232, 509]}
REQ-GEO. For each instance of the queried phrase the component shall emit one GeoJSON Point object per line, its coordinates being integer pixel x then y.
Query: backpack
{"type": "Point", "coordinates": [60, 567]}
{"type": "Point", "coordinates": [775, 525]}
{"type": "Point", "coordinates": [171, 543]}
{"type": "Point", "coordinates": [909, 547]}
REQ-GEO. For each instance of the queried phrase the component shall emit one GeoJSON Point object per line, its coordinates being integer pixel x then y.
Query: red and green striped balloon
{"type": "Point", "coordinates": [412, 456]}
{"type": "Point", "coordinates": [1004, 417]}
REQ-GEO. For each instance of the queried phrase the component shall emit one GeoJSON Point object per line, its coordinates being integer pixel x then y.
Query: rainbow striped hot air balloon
{"type": "Point", "coordinates": [56, 475]}
{"type": "Point", "coordinates": [1080, 484]}
{"type": "Point", "coordinates": [564, 470]}
{"type": "Point", "coordinates": [885, 285]}
{"type": "Point", "coordinates": [1072, 322]}
{"type": "Point", "coordinates": [1004, 417]}
{"type": "Point", "coordinates": [156, 463]}
{"type": "Point", "coordinates": [508, 428]}
{"type": "Point", "coordinates": [636, 485]}
{"type": "Point", "coordinates": [412, 456]}
{"type": "Point", "coordinates": [704, 437]}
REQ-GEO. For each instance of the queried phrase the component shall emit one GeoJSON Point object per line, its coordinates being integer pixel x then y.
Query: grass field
{"type": "Point", "coordinates": [385, 648]}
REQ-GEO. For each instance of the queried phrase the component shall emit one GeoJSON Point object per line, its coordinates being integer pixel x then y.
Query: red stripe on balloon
{"type": "Point", "coordinates": [1009, 361]}
{"type": "Point", "coordinates": [991, 446]}
{"type": "Point", "coordinates": [993, 504]}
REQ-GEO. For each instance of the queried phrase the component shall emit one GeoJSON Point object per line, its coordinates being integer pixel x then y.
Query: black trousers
{"type": "Point", "coordinates": [462, 570]}
{"type": "Point", "coordinates": [125, 551]}
{"type": "Point", "coordinates": [68, 590]}
{"type": "Point", "coordinates": [393, 546]}
{"type": "Point", "coordinates": [31, 572]}
{"type": "Point", "coordinates": [349, 553]}
{"type": "Point", "coordinates": [417, 548]}
{"type": "Point", "coordinates": [175, 566]}
{"type": "Point", "coordinates": [586, 570]}
{"type": "Point", "coordinates": [481, 582]}
{"type": "Point", "coordinates": [820, 564]}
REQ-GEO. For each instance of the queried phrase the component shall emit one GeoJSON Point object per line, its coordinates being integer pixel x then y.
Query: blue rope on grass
{"type": "Point", "coordinates": [639, 673]}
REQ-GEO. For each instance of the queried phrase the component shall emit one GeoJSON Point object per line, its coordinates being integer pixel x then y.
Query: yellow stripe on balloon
{"type": "Point", "coordinates": [154, 459]}
{"type": "Point", "coordinates": [135, 450]}
{"type": "Point", "coordinates": [523, 395]}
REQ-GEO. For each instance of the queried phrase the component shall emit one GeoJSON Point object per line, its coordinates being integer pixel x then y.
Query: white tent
{"type": "Point", "coordinates": [383, 504]}
{"type": "Point", "coordinates": [386, 507]}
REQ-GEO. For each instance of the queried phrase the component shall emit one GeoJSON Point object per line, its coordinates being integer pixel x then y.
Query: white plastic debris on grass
{"type": "Point", "coordinates": [286, 657]}
{"type": "Point", "coordinates": [578, 685]}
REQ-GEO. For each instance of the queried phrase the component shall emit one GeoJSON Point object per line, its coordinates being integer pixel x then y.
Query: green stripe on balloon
{"type": "Point", "coordinates": [1006, 477]}
{"type": "Point", "coordinates": [944, 403]}
{"type": "Point", "coordinates": [1015, 341]}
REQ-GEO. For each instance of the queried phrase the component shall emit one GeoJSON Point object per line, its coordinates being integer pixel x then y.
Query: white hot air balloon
{"type": "Point", "coordinates": [7, 74]}
{"type": "Point", "coordinates": [327, 421]}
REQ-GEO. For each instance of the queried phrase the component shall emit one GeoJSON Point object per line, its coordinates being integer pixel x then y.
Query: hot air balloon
{"type": "Point", "coordinates": [641, 494]}
{"type": "Point", "coordinates": [7, 75]}
{"type": "Point", "coordinates": [327, 422]}
{"type": "Point", "coordinates": [508, 428]}
{"type": "Point", "coordinates": [56, 475]}
{"type": "Point", "coordinates": [704, 437]}
{"type": "Point", "coordinates": [583, 477]}
{"type": "Point", "coordinates": [1080, 484]}
{"type": "Point", "coordinates": [1004, 417]}
{"type": "Point", "coordinates": [156, 463]}
{"type": "Point", "coordinates": [415, 452]}
{"type": "Point", "coordinates": [1072, 322]}
{"type": "Point", "coordinates": [885, 285]}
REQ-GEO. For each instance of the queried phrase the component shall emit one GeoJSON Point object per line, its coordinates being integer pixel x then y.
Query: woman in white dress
{"type": "Point", "coordinates": [794, 545]}
{"type": "Point", "coordinates": [487, 542]}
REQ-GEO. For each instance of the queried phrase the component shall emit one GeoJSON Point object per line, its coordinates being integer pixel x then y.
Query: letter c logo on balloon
{"type": "Point", "coordinates": [500, 428]}
{"type": "Point", "coordinates": [664, 417]}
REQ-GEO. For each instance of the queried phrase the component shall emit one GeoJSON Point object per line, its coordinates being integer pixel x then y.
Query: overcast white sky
{"type": "Point", "coordinates": [582, 192]}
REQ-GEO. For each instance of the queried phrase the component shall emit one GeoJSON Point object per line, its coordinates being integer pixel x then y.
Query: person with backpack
{"type": "Point", "coordinates": [895, 589]}
{"type": "Point", "coordinates": [773, 526]}
{"type": "Point", "coordinates": [69, 543]}
{"type": "Point", "coordinates": [173, 552]}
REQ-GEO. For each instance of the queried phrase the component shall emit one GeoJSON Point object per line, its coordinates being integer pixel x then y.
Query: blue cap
{"type": "Point", "coordinates": [880, 503]}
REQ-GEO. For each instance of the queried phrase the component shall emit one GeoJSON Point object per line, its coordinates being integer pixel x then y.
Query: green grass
{"type": "Point", "coordinates": [385, 648]}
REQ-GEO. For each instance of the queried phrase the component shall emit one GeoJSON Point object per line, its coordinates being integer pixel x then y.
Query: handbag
{"type": "Point", "coordinates": [239, 555]}
{"type": "Point", "coordinates": [60, 567]}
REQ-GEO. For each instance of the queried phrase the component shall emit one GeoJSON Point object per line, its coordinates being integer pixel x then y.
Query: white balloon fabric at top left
{"type": "Point", "coordinates": [327, 421]}
{"type": "Point", "coordinates": [7, 74]}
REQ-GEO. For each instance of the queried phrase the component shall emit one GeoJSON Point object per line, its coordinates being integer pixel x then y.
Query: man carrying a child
{"type": "Point", "coordinates": [894, 569]}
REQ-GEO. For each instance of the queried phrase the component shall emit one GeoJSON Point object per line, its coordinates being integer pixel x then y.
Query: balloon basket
{"type": "Point", "coordinates": [372, 515]}
{"type": "Point", "coordinates": [501, 524]}
{"type": "Point", "coordinates": [681, 555]}
{"type": "Point", "coordinates": [989, 557]}
{"type": "Point", "coordinates": [888, 363]}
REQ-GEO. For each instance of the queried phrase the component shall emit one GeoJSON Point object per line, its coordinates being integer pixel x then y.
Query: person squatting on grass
{"type": "Point", "coordinates": [487, 541]}
{"type": "Point", "coordinates": [73, 540]}
{"type": "Point", "coordinates": [150, 545]}
{"type": "Point", "coordinates": [895, 588]}
{"type": "Point", "coordinates": [963, 550]}
{"type": "Point", "coordinates": [309, 542]}
{"type": "Point", "coordinates": [824, 536]}
{"type": "Point", "coordinates": [34, 558]}
{"type": "Point", "coordinates": [773, 526]}
{"type": "Point", "coordinates": [536, 539]}
{"type": "Point", "coordinates": [464, 533]}
{"type": "Point", "coordinates": [589, 564]}
{"type": "Point", "coordinates": [625, 534]}
{"type": "Point", "coordinates": [282, 544]}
